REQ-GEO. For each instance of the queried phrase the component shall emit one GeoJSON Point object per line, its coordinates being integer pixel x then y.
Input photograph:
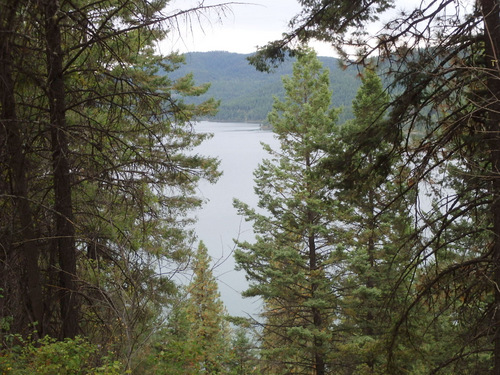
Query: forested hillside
{"type": "Point", "coordinates": [246, 94]}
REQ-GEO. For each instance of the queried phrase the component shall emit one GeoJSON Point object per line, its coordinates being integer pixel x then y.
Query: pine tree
{"type": "Point", "coordinates": [96, 181]}
{"type": "Point", "coordinates": [205, 312]}
{"type": "Point", "coordinates": [375, 232]}
{"type": "Point", "coordinates": [291, 264]}
{"type": "Point", "coordinates": [243, 359]}
{"type": "Point", "coordinates": [442, 63]}
{"type": "Point", "coordinates": [197, 336]}
{"type": "Point", "coordinates": [172, 351]}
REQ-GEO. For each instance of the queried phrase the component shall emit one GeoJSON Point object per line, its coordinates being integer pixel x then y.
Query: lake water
{"type": "Point", "coordinates": [238, 146]}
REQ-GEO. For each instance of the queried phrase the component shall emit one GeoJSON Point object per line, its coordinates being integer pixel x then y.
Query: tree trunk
{"type": "Point", "coordinates": [370, 284]}
{"type": "Point", "coordinates": [28, 272]}
{"type": "Point", "coordinates": [65, 231]}
{"type": "Point", "coordinates": [319, 360]}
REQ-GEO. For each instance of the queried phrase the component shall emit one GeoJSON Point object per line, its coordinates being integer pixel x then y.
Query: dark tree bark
{"type": "Point", "coordinates": [65, 231]}
{"type": "Point", "coordinates": [319, 357]}
{"type": "Point", "coordinates": [25, 258]}
{"type": "Point", "coordinates": [319, 360]}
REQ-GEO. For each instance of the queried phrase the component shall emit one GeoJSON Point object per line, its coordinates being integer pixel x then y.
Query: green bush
{"type": "Point", "coordinates": [48, 356]}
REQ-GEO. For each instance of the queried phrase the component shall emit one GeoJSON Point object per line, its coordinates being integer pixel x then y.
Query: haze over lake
{"type": "Point", "coordinates": [238, 146]}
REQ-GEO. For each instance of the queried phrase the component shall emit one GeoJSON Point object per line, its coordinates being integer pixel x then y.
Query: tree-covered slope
{"type": "Point", "coordinates": [246, 95]}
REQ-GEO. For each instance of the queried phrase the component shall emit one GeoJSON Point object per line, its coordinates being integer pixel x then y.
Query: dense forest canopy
{"type": "Point", "coordinates": [98, 175]}
{"type": "Point", "coordinates": [444, 122]}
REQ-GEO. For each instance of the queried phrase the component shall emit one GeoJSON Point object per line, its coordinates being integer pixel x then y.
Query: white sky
{"type": "Point", "coordinates": [248, 24]}
{"type": "Point", "coordinates": [245, 25]}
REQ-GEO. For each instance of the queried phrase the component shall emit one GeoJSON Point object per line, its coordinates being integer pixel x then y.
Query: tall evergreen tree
{"type": "Point", "coordinates": [205, 312]}
{"type": "Point", "coordinates": [243, 358]}
{"type": "Point", "coordinates": [95, 179]}
{"type": "Point", "coordinates": [197, 338]}
{"type": "Point", "coordinates": [291, 264]}
{"type": "Point", "coordinates": [443, 61]}
{"type": "Point", "coordinates": [376, 228]}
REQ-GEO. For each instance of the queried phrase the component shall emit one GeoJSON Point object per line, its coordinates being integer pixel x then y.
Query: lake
{"type": "Point", "coordinates": [238, 146]}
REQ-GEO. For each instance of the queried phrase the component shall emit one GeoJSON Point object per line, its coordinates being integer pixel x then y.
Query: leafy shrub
{"type": "Point", "coordinates": [48, 356]}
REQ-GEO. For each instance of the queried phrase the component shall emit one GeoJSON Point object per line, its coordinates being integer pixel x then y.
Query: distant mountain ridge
{"type": "Point", "coordinates": [247, 95]}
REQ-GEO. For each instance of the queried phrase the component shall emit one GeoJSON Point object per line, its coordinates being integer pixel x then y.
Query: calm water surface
{"type": "Point", "coordinates": [238, 146]}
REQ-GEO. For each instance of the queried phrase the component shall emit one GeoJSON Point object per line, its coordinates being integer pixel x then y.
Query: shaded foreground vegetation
{"type": "Point", "coordinates": [377, 244]}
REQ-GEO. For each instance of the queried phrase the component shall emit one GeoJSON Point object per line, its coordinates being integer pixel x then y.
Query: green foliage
{"type": "Point", "coordinates": [374, 232]}
{"type": "Point", "coordinates": [48, 356]}
{"type": "Point", "coordinates": [243, 358]}
{"type": "Point", "coordinates": [291, 264]}
{"type": "Point", "coordinates": [173, 351]}
{"type": "Point", "coordinates": [443, 67]}
{"type": "Point", "coordinates": [197, 336]}
{"type": "Point", "coordinates": [101, 159]}
{"type": "Point", "coordinates": [205, 314]}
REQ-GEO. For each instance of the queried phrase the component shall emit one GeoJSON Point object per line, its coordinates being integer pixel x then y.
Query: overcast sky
{"type": "Point", "coordinates": [245, 25]}
{"type": "Point", "coordinates": [240, 30]}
